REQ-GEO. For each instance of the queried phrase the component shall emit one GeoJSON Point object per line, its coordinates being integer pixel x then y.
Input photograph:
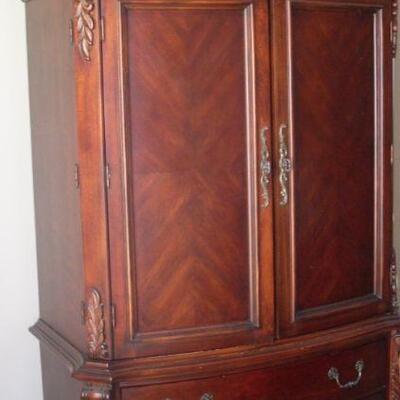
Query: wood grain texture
{"type": "Point", "coordinates": [189, 175]}
{"type": "Point", "coordinates": [172, 368]}
{"type": "Point", "coordinates": [334, 235]}
{"type": "Point", "coordinates": [181, 257]}
{"type": "Point", "coordinates": [334, 136]}
{"type": "Point", "coordinates": [92, 163]}
{"type": "Point", "coordinates": [304, 380]}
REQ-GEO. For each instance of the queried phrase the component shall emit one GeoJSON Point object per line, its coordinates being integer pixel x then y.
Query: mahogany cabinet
{"type": "Point", "coordinates": [213, 193]}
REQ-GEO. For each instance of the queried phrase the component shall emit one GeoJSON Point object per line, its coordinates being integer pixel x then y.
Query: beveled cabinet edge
{"type": "Point", "coordinates": [87, 37]}
{"type": "Point", "coordinates": [163, 369]}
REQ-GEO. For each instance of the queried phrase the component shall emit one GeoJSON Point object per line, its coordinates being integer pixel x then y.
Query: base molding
{"type": "Point", "coordinates": [80, 367]}
{"type": "Point", "coordinates": [70, 355]}
{"type": "Point", "coordinates": [96, 392]}
{"type": "Point", "coordinates": [99, 375]}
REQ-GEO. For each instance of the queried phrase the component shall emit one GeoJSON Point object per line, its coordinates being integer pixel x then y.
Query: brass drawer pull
{"type": "Point", "coordinates": [285, 166]}
{"type": "Point", "coordinates": [333, 375]}
{"type": "Point", "coordinates": [265, 168]}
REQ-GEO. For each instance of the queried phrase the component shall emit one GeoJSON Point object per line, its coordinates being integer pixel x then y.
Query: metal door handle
{"type": "Point", "coordinates": [206, 396]}
{"type": "Point", "coordinates": [285, 165]}
{"type": "Point", "coordinates": [265, 168]}
{"type": "Point", "coordinates": [333, 375]}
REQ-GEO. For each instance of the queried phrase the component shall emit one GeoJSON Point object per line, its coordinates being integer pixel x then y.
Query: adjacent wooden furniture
{"type": "Point", "coordinates": [213, 185]}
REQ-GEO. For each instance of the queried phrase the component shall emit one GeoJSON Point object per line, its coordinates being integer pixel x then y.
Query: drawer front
{"type": "Point", "coordinates": [377, 396]}
{"type": "Point", "coordinates": [297, 380]}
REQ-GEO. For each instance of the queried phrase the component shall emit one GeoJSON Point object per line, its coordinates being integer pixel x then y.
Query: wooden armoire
{"type": "Point", "coordinates": [213, 194]}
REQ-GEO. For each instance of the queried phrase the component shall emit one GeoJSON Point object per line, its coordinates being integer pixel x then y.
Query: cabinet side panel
{"type": "Point", "coordinates": [54, 146]}
{"type": "Point", "coordinates": [57, 381]}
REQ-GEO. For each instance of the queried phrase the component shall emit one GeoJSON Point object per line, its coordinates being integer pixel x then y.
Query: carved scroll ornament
{"type": "Point", "coordinates": [394, 27]}
{"type": "Point", "coordinates": [393, 284]}
{"type": "Point", "coordinates": [85, 27]}
{"type": "Point", "coordinates": [95, 325]}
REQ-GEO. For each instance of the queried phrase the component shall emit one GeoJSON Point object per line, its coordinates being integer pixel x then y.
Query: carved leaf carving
{"type": "Point", "coordinates": [394, 27]}
{"type": "Point", "coordinates": [95, 325]}
{"type": "Point", "coordinates": [393, 284]}
{"type": "Point", "coordinates": [85, 27]}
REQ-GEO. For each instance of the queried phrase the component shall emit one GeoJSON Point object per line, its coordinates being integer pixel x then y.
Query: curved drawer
{"type": "Point", "coordinates": [300, 380]}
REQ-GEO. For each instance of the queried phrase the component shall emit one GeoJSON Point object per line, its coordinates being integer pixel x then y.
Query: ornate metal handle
{"type": "Point", "coordinates": [206, 396]}
{"type": "Point", "coordinates": [265, 167]}
{"type": "Point", "coordinates": [285, 165]}
{"type": "Point", "coordinates": [333, 375]}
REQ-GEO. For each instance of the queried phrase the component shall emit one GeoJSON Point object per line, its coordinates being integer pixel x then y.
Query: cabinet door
{"type": "Point", "coordinates": [187, 129]}
{"type": "Point", "coordinates": [332, 109]}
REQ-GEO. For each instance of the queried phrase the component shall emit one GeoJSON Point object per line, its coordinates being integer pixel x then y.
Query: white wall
{"type": "Point", "coordinates": [20, 376]}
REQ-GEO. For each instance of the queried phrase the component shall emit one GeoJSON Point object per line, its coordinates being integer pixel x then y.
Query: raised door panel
{"type": "Point", "coordinates": [192, 273]}
{"type": "Point", "coordinates": [333, 138]}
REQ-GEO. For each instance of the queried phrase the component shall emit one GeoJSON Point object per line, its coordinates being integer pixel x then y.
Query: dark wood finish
{"type": "Point", "coordinates": [305, 380]}
{"type": "Point", "coordinates": [194, 239]}
{"type": "Point", "coordinates": [377, 396]}
{"type": "Point", "coordinates": [57, 381]}
{"type": "Point", "coordinates": [87, 57]}
{"type": "Point", "coordinates": [394, 366]}
{"type": "Point", "coordinates": [334, 236]}
{"type": "Point", "coordinates": [54, 154]}
{"type": "Point", "coordinates": [164, 369]}
{"type": "Point", "coordinates": [336, 213]}
{"type": "Point", "coordinates": [157, 273]}
{"type": "Point", "coordinates": [187, 167]}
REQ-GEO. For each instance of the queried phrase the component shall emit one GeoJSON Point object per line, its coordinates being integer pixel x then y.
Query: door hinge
{"type": "Point", "coordinates": [83, 313]}
{"type": "Point", "coordinates": [391, 154]}
{"type": "Point", "coordinates": [71, 32]}
{"type": "Point", "coordinates": [102, 29]}
{"type": "Point", "coordinates": [76, 176]}
{"type": "Point", "coordinates": [113, 316]}
{"type": "Point", "coordinates": [107, 176]}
